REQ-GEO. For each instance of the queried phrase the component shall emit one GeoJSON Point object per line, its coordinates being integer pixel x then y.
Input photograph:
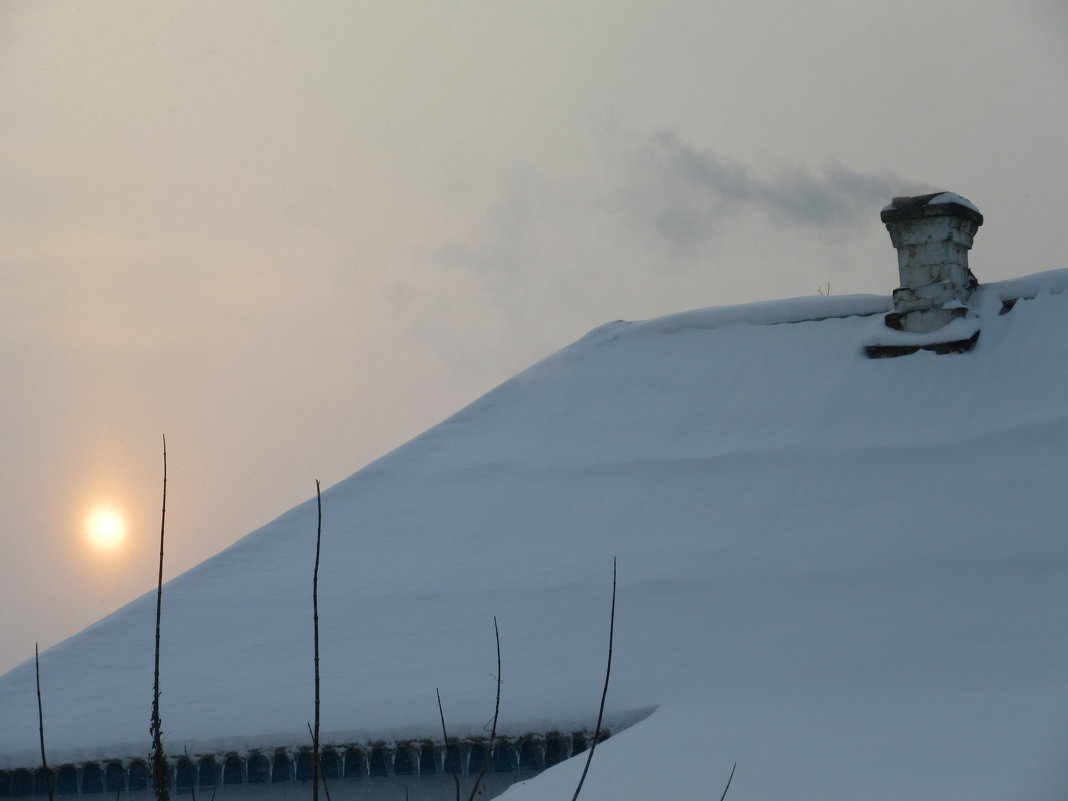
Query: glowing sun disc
{"type": "Point", "coordinates": [105, 529]}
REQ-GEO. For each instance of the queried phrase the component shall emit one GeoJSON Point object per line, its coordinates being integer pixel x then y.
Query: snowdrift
{"type": "Point", "coordinates": [848, 575]}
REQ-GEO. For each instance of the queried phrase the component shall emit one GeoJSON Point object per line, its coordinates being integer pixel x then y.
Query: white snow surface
{"type": "Point", "coordinates": [955, 331]}
{"type": "Point", "coordinates": [952, 197]}
{"type": "Point", "coordinates": [848, 575]}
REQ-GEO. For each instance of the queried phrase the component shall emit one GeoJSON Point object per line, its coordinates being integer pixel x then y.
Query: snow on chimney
{"type": "Point", "coordinates": [932, 234]}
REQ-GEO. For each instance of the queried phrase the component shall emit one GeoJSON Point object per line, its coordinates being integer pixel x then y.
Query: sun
{"type": "Point", "coordinates": [105, 528]}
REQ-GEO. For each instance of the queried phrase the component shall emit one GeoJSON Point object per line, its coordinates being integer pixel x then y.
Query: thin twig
{"type": "Point", "coordinates": [725, 789]}
{"type": "Point", "coordinates": [445, 736]}
{"type": "Point", "coordinates": [40, 722]}
{"type": "Point", "coordinates": [604, 692]}
{"type": "Point", "coordinates": [496, 712]}
{"type": "Point", "coordinates": [315, 617]}
{"type": "Point", "coordinates": [159, 759]}
{"type": "Point", "coordinates": [326, 786]}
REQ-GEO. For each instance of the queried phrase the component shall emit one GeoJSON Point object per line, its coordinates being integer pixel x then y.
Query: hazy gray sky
{"type": "Point", "coordinates": [293, 235]}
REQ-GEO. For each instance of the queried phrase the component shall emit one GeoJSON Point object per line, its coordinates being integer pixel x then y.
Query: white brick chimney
{"type": "Point", "coordinates": [932, 234]}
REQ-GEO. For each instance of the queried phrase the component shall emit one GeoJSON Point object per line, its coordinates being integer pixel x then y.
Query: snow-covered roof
{"type": "Point", "coordinates": [848, 575]}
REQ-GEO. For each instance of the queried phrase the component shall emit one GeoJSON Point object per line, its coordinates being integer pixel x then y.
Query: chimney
{"type": "Point", "coordinates": [932, 234]}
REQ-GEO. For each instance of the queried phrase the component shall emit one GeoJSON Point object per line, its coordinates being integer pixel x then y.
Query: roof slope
{"type": "Point", "coordinates": [849, 575]}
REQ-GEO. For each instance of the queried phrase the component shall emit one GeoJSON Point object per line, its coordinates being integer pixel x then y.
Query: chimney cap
{"type": "Point", "coordinates": [936, 204]}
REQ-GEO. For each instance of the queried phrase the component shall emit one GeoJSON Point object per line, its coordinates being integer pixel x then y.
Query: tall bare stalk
{"type": "Point", "coordinates": [496, 712]}
{"type": "Point", "coordinates": [604, 692]}
{"type": "Point", "coordinates": [159, 759]}
{"type": "Point", "coordinates": [445, 736]}
{"type": "Point", "coordinates": [40, 722]}
{"type": "Point", "coordinates": [315, 620]}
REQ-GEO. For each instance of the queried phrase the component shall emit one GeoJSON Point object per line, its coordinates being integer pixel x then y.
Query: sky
{"type": "Point", "coordinates": [290, 237]}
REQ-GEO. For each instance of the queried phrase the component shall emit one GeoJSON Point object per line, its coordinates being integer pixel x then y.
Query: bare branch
{"type": "Point", "coordinates": [40, 722]}
{"type": "Point", "coordinates": [315, 618]}
{"type": "Point", "coordinates": [326, 786]}
{"type": "Point", "coordinates": [496, 712]}
{"type": "Point", "coordinates": [604, 692]}
{"type": "Point", "coordinates": [159, 759]}
{"type": "Point", "coordinates": [725, 789]}
{"type": "Point", "coordinates": [445, 736]}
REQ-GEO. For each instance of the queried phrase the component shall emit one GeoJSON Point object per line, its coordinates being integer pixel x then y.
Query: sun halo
{"type": "Point", "coordinates": [105, 528]}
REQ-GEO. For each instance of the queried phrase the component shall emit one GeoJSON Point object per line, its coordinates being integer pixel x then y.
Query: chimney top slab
{"type": "Point", "coordinates": [936, 204]}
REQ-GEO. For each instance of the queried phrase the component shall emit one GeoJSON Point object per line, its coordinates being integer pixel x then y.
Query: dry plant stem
{"type": "Point", "coordinates": [445, 736]}
{"type": "Point", "coordinates": [40, 721]}
{"type": "Point", "coordinates": [159, 759]}
{"type": "Point", "coordinates": [315, 619]}
{"type": "Point", "coordinates": [725, 789]}
{"type": "Point", "coordinates": [604, 692]}
{"type": "Point", "coordinates": [496, 712]}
